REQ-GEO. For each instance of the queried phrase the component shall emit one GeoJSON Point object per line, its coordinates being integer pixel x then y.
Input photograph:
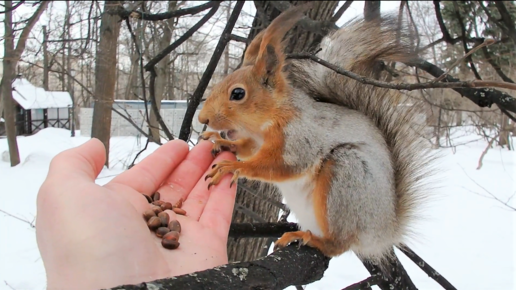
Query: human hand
{"type": "Point", "coordinates": [93, 236]}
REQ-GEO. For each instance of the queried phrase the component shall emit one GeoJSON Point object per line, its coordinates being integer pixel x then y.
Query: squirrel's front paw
{"type": "Point", "coordinates": [210, 135]}
{"type": "Point", "coordinates": [222, 168]}
{"type": "Point", "coordinates": [219, 146]}
{"type": "Point", "coordinates": [302, 237]}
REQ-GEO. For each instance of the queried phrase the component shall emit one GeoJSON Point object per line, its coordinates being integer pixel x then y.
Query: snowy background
{"type": "Point", "coordinates": [467, 235]}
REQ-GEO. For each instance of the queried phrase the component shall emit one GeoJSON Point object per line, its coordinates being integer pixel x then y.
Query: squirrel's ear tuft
{"type": "Point", "coordinates": [265, 51]}
{"type": "Point", "coordinates": [271, 60]}
{"type": "Point", "coordinates": [252, 50]}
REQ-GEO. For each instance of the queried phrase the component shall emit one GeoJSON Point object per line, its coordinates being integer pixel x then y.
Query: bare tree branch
{"type": "Point", "coordinates": [464, 44]}
{"type": "Point", "coordinates": [403, 86]}
{"type": "Point", "coordinates": [20, 47]}
{"type": "Point", "coordinates": [203, 83]}
{"type": "Point", "coordinates": [182, 39]}
{"type": "Point", "coordinates": [13, 8]}
{"type": "Point", "coordinates": [507, 20]}
{"type": "Point", "coordinates": [261, 230]}
{"type": "Point", "coordinates": [341, 11]}
{"type": "Point", "coordinates": [306, 265]}
{"type": "Point", "coordinates": [124, 14]}
{"type": "Point", "coordinates": [365, 284]}
{"type": "Point", "coordinates": [431, 272]}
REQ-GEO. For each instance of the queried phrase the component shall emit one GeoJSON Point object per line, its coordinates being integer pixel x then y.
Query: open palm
{"type": "Point", "coordinates": [93, 236]}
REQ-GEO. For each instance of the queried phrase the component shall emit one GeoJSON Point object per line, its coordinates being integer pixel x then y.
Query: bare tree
{"type": "Point", "coordinates": [12, 56]}
{"type": "Point", "coordinates": [105, 75]}
{"type": "Point", "coordinates": [162, 69]}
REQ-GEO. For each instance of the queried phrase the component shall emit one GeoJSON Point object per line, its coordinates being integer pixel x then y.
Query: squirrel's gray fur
{"type": "Point", "coordinates": [380, 161]}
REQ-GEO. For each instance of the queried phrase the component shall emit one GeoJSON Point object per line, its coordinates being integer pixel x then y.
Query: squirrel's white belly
{"type": "Point", "coordinates": [298, 197]}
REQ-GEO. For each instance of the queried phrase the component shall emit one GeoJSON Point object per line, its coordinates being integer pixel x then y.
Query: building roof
{"type": "Point", "coordinates": [32, 97]}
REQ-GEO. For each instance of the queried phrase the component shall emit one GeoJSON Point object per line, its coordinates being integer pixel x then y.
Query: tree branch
{"type": "Point", "coordinates": [13, 8]}
{"type": "Point", "coordinates": [446, 35]}
{"type": "Point", "coordinates": [341, 11]}
{"type": "Point", "coordinates": [507, 20]}
{"type": "Point", "coordinates": [305, 265]}
{"type": "Point", "coordinates": [261, 230]}
{"type": "Point", "coordinates": [124, 14]}
{"type": "Point", "coordinates": [484, 97]}
{"type": "Point", "coordinates": [365, 284]}
{"type": "Point", "coordinates": [181, 39]}
{"type": "Point", "coordinates": [464, 44]}
{"type": "Point", "coordinates": [403, 86]}
{"type": "Point", "coordinates": [20, 47]}
{"type": "Point", "coordinates": [426, 268]}
{"type": "Point", "coordinates": [205, 79]}
{"type": "Point", "coordinates": [495, 66]}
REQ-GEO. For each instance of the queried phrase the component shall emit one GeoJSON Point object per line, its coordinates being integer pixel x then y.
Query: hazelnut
{"type": "Point", "coordinates": [148, 214]}
{"type": "Point", "coordinates": [156, 209]}
{"type": "Point", "coordinates": [166, 205]}
{"type": "Point", "coordinates": [149, 200]}
{"type": "Point", "coordinates": [170, 240]}
{"type": "Point", "coordinates": [156, 196]}
{"type": "Point", "coordinates": [164, 218]}
{"type": "Point", "coordinates": [179, 211]}
{"type": "Point", "coordinates": [154, 223]}
{"type": "Point", "coordinates": [161, 231]}
{"type": "Point", "coordinates": [158, 202]}
{"type": "Point", "coordinates": [174, 225]}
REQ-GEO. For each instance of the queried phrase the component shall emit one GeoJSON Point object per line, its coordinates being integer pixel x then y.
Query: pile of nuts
{"type": "Point", "coordinates": [159, 221]}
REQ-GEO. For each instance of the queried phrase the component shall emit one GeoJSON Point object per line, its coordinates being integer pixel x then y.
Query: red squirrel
{"type": "Point", "coordinates": [348, 165]}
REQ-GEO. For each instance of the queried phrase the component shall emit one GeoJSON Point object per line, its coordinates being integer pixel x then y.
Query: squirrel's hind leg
{"type": "Point", "coordinates": [328, 244]}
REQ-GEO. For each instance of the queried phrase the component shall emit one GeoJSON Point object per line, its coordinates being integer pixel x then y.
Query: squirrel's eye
{"type": "Point", "coordinates": [237, 94]}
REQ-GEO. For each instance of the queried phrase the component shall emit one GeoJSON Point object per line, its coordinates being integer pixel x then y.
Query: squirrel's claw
{"type": "Point", "coordinates": [302, 237]}
{"type": "Point", "coordinates": [222, 168]}
{"type": "Point", "coordinates": [217, 149]}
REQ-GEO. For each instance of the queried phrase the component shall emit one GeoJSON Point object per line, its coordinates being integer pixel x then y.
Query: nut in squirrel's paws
{"type": "Point", "coordinates": [222, 168]}
{"type": "Point", "coordinates": [302, 237]}
{"type": "Point", "coordinates": [218, 142]}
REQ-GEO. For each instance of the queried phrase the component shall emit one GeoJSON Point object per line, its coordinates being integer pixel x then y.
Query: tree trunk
{"type": "Point", "coordinates": [161, 71]}
{"type": "Point", "coordinates": [11, 57]}
{"type": "Point", "coordinates": [8, 75]}
{"type": "Point", "coordinates": [105, 75]}
{"type": "Point", "coordinates": [69, 80]}
{"type": "Point", "coordinates": [371, 10]}
{"type": "Point", "coordinates": [503, 138]}
{"type": "Point", "coordinates": [298, 40]}
{"type": "Point", "coordinates": [225, 71]}
{"type": "Point", "coordinates": [45, 59]}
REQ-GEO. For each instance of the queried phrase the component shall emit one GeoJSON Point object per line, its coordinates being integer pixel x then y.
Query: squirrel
{"type": "Point", "coordinates": [342, 153]}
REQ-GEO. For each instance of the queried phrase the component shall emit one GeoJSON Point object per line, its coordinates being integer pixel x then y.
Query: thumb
{"type": "Point", "coordinates": [83, 162]}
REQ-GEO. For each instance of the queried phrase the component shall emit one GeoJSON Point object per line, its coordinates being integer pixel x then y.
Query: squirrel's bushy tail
{"type": "Point", "coordinates": [356, 47]}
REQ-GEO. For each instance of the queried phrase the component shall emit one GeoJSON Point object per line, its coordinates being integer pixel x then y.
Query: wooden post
{"type": "Point", "coordinates": [29, 122]}
{"type": "Point", "coordinates": [45, 118]}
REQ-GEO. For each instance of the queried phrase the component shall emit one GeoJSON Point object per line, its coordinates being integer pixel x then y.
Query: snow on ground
{"type": "Point", "coordinates": [467, 236]}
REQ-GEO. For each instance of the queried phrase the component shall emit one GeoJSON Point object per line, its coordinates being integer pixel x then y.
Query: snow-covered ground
{"type": "Point", "coordinates": [467, 235]}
